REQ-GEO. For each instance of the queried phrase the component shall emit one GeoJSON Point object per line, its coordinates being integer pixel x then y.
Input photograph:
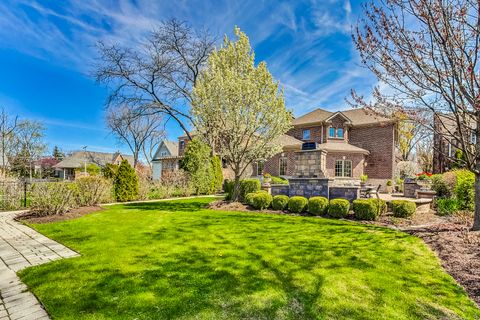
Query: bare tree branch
{"type": "Point", "coordinates": [158, 75]}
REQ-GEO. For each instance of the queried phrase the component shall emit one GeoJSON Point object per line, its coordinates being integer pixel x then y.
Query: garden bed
{"type": "Point", "coordinates": [458, 249]}
{"type": "Point", "coordinates": [71, 214]}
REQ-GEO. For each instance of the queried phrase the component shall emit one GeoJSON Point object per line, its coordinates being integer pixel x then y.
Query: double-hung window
{"type": "Point", "coordinates": [306, 134]}
{"type": "Point", "coordinates": [260, 166]}
{"type": "Point", "coordinates": [340, 133]}
{"type": "Point", "coordinates": [331, 132]}
{"type": "Point", "coordinates": [283, 166]}
{"type": "Point", "coordinates": [343, 168]}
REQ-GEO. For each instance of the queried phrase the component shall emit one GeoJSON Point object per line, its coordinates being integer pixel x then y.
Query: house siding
{"type": "Point", "coordinates": [380, 141]}
{"type": "Point", "coordinates": [357, 163]}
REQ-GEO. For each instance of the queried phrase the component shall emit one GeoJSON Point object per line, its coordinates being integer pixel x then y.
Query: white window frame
{"type": "Point", "coordinates": [280, 166]}
{"type": "Point", "coordinates": [473, 137]}
{"type": "Point", "coordinates": [342, 174]}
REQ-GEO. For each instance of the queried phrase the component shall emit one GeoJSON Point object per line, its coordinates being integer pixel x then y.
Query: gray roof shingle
{"type": "Point", "coordinates": [79, 158]}
{"type": "Point", "coordinates": [358, 117]}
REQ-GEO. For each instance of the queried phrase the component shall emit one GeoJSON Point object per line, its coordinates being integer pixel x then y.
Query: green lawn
{"type": "Point", "coordinates": [177, 260]}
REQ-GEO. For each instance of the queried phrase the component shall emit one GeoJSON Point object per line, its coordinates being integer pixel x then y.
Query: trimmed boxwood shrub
{"type": "Point", "coordinates": [338, 208]}
{"type": "Point", "coordinates": [368, 209]}
{"type": "Point", "coordinates": [403, 208]}
{"type": "Point", "coordinates": [297, 204]}
{"type": "Point", "coordinates": [249, 197]}
{"type": "Point", "coordinates": [317, 205]}
{"type": "Point", "coordinates": [280, 202]}
{"type": "Point", "coordinates": [261, 200]}
{"type": "Point", "coordinates": [247, 186]}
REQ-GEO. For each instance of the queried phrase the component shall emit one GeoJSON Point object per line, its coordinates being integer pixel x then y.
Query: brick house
{"type": "Point", "coordinates": [352, 143]}
{"type": "Point", "coordinates": [446, 142]}
{"type": "Point", "coordinates": [347, 144]}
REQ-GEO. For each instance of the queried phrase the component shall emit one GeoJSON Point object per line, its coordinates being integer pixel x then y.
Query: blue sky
{"type": "Point", "coordinates": [47, 55]}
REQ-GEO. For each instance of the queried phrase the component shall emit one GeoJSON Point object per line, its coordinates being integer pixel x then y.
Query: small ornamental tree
{"type": "Point", "coordinates": [197, 161]}
{"type": "Point", "coordinates": [126, 183]}
{"type": "Point", "coordinates": [238, 108]}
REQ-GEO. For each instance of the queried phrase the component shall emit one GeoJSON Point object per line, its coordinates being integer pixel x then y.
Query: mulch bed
{"type": "Point", "coordinates": [458, 249]}
{"type": "Point", "coordinates": [31, 217]}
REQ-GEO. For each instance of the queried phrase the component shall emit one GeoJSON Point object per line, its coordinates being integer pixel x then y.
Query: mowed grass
{"type": "Point", "coordinates": [177, 260]}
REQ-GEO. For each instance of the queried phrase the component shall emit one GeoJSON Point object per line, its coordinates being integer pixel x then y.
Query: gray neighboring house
{"type": "Point", "coordinates": [65, 169]}
{"type": "Point", "coordinates": [166, 158]}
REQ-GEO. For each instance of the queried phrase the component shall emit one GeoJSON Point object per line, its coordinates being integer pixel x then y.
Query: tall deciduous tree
{"type": "Point", "coordinates": [156, 77]}
{"type": "Point", "coordinates": [29, 146]}
{"type": "Point", "coordinates": [140, 132]}
{"type": "Point", "coordinates": [238, 108]}
{"type": "Point", "coordinates": [427, 52]}
{"type": "Point", "coordinates": [8, 124]}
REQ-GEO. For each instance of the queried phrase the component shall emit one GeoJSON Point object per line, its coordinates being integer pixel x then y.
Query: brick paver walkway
{"type": "Point", "coordinates": [21, 247]}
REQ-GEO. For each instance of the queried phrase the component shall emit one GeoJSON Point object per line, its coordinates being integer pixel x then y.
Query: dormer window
{"type": "Point", "coordinates": [336, 133]}
{"type": "Point", "coordinates": [331, 132]}
{"type": "Point", "coordinates": [340, 133]}
{"type": "Point", "coordinates": [306, 134]}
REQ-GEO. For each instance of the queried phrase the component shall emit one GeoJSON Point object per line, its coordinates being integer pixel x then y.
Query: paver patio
{"type": "Point", "coordinates": [22, 247]}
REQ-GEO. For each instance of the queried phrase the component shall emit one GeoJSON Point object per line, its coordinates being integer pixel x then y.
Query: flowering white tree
{"type": "Point", "coordinates": [238, 108]}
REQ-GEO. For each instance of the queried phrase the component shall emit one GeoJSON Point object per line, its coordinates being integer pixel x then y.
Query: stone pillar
{"type": "Point", "coordinates": [267, 187]}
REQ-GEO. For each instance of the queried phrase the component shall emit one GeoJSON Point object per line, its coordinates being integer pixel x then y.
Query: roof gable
{"type": "Point", "coordinates": [357, 117]}
{"type": "Point", "coordinates": [79, 158]}
{"type": "Point", "coordinates": [336, 115]}
{"type": "Point", "coordinates": [166, 146]}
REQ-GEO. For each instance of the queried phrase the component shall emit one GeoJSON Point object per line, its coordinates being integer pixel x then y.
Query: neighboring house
{"type": "Point", "coordinates": [79, 160]}
{"type": "Point", "coordinates": [446, 141]}
{"type": "Point", "coordinates": [165, 159]}
{"type": "Point", "coordinates": [45, 167]}
{"type": "Point", "coordinates": [347, 144]}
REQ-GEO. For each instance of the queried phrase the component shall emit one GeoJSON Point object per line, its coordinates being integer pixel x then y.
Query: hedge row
{"type": "Point", "coordinates": [364, 209]}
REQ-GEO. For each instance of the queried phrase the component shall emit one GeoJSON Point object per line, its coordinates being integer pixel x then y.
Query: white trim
{"type": "Point", "coordinates": [338, 113]}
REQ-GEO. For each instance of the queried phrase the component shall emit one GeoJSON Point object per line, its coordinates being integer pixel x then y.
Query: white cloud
{"type": "Point", "coordinates": [295, 37]}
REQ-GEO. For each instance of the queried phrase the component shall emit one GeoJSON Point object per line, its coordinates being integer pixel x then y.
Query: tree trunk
{"type": "Point", "coordinates": [236, 187]}
{"type": "Point", "coordinates": [476, 219]}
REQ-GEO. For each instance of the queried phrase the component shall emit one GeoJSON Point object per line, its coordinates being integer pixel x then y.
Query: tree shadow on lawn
{"type": "Point", "coordinates": [173, 205]}
{"type": "Point", "coordinates": [248, 265]}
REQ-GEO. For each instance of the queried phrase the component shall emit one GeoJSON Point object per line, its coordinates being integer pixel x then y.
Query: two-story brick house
{"type": "Point", "coordinates": [354, 142]}
{"type": "Point", "coordinates": [349, 143]}
{"type": "Point", "coordinates": [446, 140]}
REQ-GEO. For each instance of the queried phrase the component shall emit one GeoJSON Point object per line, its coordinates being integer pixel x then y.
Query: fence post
{"type": "Point", "coordinates": [25, 193]}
